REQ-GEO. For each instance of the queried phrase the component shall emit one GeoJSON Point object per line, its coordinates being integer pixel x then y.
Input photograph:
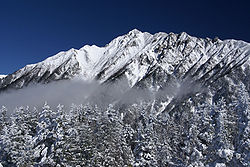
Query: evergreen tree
{"type": "Point", "coordinates": [46, 138]}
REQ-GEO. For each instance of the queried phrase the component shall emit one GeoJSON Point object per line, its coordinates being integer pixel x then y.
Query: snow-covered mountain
{"type": "Point", "coordinates": [135, 56]}
{"type": "Point", "coordinates": [194, 111]}
{"type": "Point", "coordinates": [165, 62]}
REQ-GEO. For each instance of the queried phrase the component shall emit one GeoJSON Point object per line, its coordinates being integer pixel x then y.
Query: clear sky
{"type": "Point", "coordinates": [32, 30]}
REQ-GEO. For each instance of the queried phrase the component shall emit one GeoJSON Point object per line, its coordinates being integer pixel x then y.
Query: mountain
{"type": "Point", "coordinates": [180, 64]}
{"type": "Point", "coordinates": [185, 103]}
{"type": "Point", "coordinates": [135, 56]}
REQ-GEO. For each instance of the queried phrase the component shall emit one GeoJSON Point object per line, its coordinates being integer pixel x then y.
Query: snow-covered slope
{"type": "Point", "coordinates": [2, 76]}
{"type": "Point", "coordinates": [136, 55]}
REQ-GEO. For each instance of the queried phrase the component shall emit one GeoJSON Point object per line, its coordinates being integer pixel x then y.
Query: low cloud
{"type": "Point", "coordinates": [79, 92]}
{"type": "Point", "coordinates": [62, 92]}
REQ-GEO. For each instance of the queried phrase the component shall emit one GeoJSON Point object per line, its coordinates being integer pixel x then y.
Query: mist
{"type": "Point", "coordinates": [64, 92]}
{"type": "Point", "coordinates": [68, 92]}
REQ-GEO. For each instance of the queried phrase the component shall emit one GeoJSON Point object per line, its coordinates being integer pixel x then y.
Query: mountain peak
{"type": "Point", "coordinates": [135, 31]}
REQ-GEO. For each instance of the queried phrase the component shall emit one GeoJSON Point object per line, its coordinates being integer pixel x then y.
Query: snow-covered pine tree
{"type": "Point", "coordinates": [4, 137]}
{"type": "Point", "coordinates": [3, 118]}
{"type": "Point", "coordinates": [241, 140]}
{"type": "Point", "coordinates": [76, 142]}
{"type": "Point", "coordinates": [45, 139]}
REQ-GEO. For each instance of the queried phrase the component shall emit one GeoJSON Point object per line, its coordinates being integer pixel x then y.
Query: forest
{"type": "Point", "coordinates": [135, 134]}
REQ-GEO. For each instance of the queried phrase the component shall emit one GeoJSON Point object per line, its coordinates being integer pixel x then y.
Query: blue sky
{"type": "Point", "coordinates": [32, 30]}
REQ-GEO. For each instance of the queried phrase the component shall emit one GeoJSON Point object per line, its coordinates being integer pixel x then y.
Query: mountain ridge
{"type": "Point", "coordinates": [137, 53]}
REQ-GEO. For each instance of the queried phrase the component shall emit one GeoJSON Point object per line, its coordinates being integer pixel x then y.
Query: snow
{"type": "Point", "coordinates": [2, 76]}
{"type": "Point", "coordinates": [220, 165]}
{"type": "Point", "coordinates": [226, 153]}
{"type": "Point", "coordinates": [53, 62]}
{"type": "Point", "coordinates": [121, 51]}
{"type": "Point", "coordinates": [88, 57]}
{"type": "Point", "coordinates": [163, 106]}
